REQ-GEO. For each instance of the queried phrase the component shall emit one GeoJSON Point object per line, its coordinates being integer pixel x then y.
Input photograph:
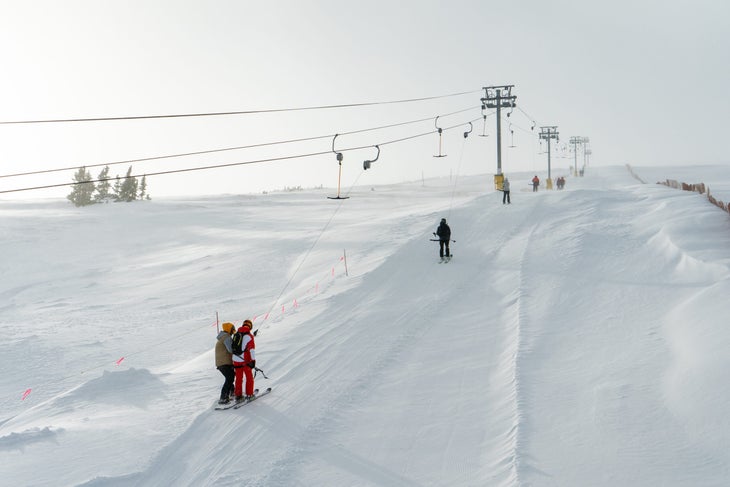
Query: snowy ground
{"type": "Point", "coordinates": [577, 338]}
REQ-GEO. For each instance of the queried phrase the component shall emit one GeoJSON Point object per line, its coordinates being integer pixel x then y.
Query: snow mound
{"type": "Point", "coordinates": [135, 387]}
{"type": "Point", "coordinates": [18, 441]}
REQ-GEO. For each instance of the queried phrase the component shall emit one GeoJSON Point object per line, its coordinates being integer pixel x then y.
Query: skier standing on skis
{"type": "Point", "coordinates": [535, 183]}
{"type": "Point", "coordinates": [244, 360]}
{"type": "Point", "coordinates": [224, 360]}
{"type": "Point", "coordinates": [505, 190]}
{"type": "Point", "coordinates": [443, 232]}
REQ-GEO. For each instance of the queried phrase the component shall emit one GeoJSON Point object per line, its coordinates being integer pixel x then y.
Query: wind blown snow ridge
{"type": "Point", "coordinates": [514, 317]}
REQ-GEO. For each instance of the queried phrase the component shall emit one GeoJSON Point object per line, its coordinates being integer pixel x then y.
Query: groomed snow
{"type": "Point", "coordinates": [578, 337]}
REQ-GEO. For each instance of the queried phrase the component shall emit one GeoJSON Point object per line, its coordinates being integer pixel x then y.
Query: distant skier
{"type": "Point", "coordinates": [505, 190]}
{"type": "Point", "coordinates": [224, 360]}
{"type": "Point", "coordinates": [443, 232]}
{"type": "Point", "coordinates": [535, 183]}
{"type": "Point", "coordinates": [244, 360]}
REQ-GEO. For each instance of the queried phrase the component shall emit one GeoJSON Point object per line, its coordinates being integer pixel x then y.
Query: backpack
{"type": "Point", "coordinates": [237, 342]}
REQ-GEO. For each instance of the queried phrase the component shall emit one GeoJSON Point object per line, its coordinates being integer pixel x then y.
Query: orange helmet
{"type": "Point", "coordinates": [228, 327]}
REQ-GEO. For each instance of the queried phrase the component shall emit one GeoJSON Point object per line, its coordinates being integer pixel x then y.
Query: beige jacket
{"type": "Point", "coordinates": [223, 349]}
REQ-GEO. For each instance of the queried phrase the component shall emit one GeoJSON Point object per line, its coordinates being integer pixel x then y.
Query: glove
{"type": "Point", "coordinates": [252, 364]}
{"type": "Point", "coordinates": [434, 234]}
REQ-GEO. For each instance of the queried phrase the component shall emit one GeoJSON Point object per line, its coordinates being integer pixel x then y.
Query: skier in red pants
{"type": "Point", "coordinates": [244, 360]}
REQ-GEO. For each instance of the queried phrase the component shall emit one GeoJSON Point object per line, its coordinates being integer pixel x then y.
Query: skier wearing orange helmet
{"type": "Point", "coordinates": [244, 360]}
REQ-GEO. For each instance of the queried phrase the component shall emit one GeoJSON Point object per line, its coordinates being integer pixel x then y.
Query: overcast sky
{"type": "Point", "coordinates": [646, 81]}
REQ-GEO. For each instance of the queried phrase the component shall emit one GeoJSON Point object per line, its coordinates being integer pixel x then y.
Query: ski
{"type": "Point", "coordinates": [446, 260]}
{"type": "Point", "coordinates": [233, 403]}
{"type": "Point", "coordinates": [256, 395]}
{"type": "Point", "coordinates": [221, 407]}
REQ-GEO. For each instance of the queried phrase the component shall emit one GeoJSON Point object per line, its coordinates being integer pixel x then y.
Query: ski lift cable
{"type": "Point", "coordinates": [241, 112]}
{"type": "Point", "coordinates": [231, 164]}
{"type": "Point", "coordinates": [409, 122]}
{"type": "Point", "coordinates": [521, 128]}
{"type": "Point", "coordinates": [403, 139]}
{"type": "Point", "coordinates": [169, 156]}
{"type": "Point", "coordinates": [532, 119]}
{"type": "Point", "coordinates": [225, 149]}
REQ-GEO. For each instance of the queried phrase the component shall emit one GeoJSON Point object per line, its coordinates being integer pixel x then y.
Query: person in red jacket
{"type": "Point", "coordinates": [244, 360]}
{"type": "Point", "coordinates": [535, 183]}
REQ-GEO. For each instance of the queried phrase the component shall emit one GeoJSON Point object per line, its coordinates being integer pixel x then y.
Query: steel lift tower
{"type": "Point", "coordinates": [499, 97]}
{"type": "Point", "coordinates": [548, 133]}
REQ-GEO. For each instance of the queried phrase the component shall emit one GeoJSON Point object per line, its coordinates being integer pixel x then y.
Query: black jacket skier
{"type": "Point", "coordinates": [444, 234]}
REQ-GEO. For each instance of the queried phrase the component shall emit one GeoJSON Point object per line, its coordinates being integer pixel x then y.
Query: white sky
{"type": "Point", "coordinates": [646, 81]}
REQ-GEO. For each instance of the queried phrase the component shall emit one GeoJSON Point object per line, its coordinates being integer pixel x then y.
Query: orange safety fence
{"type": "Point", "coordinates": [697, 188]}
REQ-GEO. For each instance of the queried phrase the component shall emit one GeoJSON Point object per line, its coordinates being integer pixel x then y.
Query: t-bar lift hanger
{"type": "Point", "coordinates": [440, 130]}
{"type": "Point", "coordinates": [339, 177]}
{"type": "Point", "coordinates": [471, 128]}
{"type": "Point", "coordinates": [366, 164]}
{"type": "Point", "coordinates": [484, 117]}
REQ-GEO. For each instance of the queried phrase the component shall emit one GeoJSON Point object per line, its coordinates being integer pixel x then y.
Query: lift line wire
{"type": "Point", "coordinates": [242, 112]}
{"type": "Point", "coordinates": [211, 151]}
{"type": "Point", "coordinates": [532, 119]}
{"type": "Point", "coordinates": [530, 132]}
{"type": "Point", "coordinates": [218, 166]}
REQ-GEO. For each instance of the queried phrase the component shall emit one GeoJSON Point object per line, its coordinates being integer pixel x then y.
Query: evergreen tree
{"type": "Point", "coordinates": [117, 189]}
{"type": "Point", "coordinates": [103, 187]}
{"type": "Point", "coordinates": [83, 189]}
{"type": "Point", "coordinates": [143, 188]}
{"type": "Point", "coordinates": [128, 190]}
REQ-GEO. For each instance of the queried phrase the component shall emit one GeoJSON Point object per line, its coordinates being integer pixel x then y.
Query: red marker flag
{"type": "Point", "coordinates": [26, 394]}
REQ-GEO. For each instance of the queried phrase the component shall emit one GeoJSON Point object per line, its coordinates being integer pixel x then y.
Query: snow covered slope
{"type": "Point", "coordinates": [578, 338]}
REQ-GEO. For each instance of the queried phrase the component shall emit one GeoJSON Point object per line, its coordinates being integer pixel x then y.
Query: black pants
{"type": "Point", "coordinates": [505, 197]}
{"type": "Point", "coordinates": [230, 375]}
{"type": "Point", "coordinates": [443, 243]}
